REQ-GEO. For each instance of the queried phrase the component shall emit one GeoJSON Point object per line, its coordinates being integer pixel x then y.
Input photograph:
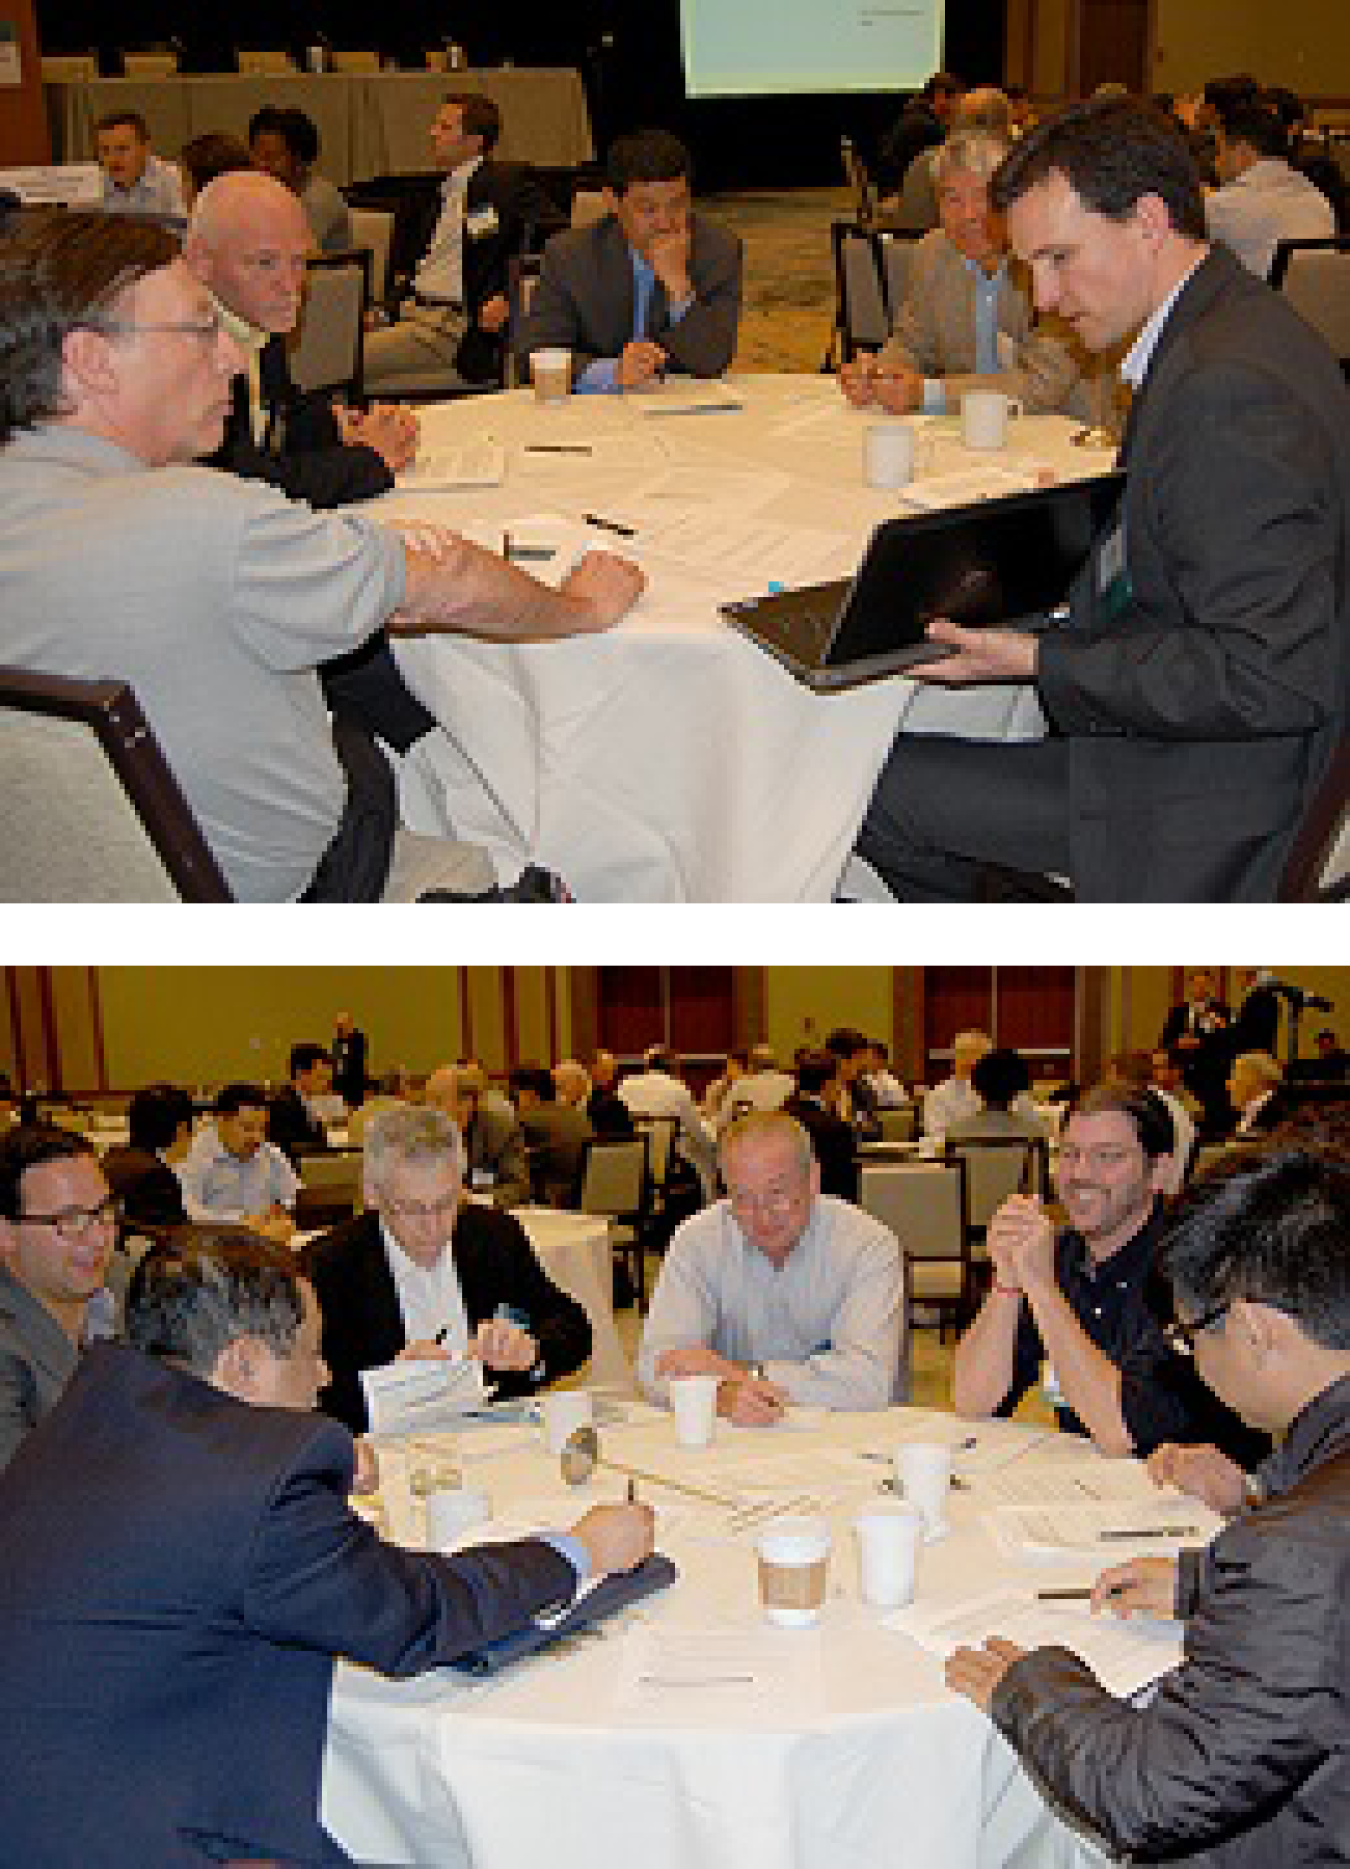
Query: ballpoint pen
{"type": "Point", "coordinates": [609, 525]}
{"type": "Point", "coordinates": [1152, 1531]}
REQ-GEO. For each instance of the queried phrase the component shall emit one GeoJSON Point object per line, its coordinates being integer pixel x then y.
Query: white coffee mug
{"type": "Point", "coordinates": [888, 454]}
{"type": "Point", "coordinates": [693, 1402]}
{"type": "Point", "coordinates": [888, 1542]}
{"type": "Point", "coordinates": [984, 417]}
{"type": "Point", "coordinates": [923, 1475]}
{"type": "Point", "coordinates": [452, 1513]}
{"type": "Point", "coordinates": [564, 1411]}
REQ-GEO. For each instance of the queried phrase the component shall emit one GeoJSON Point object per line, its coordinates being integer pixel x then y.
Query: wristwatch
{"type": "Point", "coordinates": [757, 1372]}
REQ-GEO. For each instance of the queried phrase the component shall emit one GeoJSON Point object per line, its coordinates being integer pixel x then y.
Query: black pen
{"type": "Point", "coordinates": [1153, 1531]}
{"type": "Point", "coordinates": [609, 525]}
{"type": "Point", "coordinates": [1075, 1596]}
{"type": "Point", "coordinates": [556, 447]}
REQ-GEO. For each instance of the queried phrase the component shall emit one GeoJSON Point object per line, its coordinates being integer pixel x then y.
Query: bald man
{"type": "Point", "coordinates": [247, 242]}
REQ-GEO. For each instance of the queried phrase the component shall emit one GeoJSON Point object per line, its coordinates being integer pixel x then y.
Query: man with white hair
{"type": "Point", "coordinates": [955, 1100]}
{"type": "Point", "coordinates": [762, 1087]}
{"type": "Point", "coordinates": [1252, 1086]}
{"type": "Point", "coordinates": [424, 1273]}
{"type": "Point", "coordinates": [658, 1090]}
{"type": "Point", "coordinates": [967, 321]}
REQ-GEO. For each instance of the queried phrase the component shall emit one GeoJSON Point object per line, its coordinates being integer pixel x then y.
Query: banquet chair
{"type": "Point", "coordinates": [614, 1182]}
{"type": "Point", "coordinates": [900, 1124]}
{"type": "Point", "coordinates": [1318, 866]}
{"type": "Point", "coordinates": [263, 62]}
{"type": "Point", "coordinates": [924, 1205]}
{"type": "Point", "coordinates": [855, 174]}
{"type": "Point", "coordinates": [1314, 275]}
{"type": "Point", "coordinates": [92, 811]}
{"type": "Point", "coordinates": [150, 64]}
{"type": "Point", "coordinates": [996, 1167]}
{"type": "Point", "coordinates": [896, 248]}
{"type": "Point", "coordinates": [75, 68]}
{"type": "Point", "coordinates": [330, 1188]}
{"type": "Point", "coordinates": [522, 280]}
{"type": "Point", "coordinates": [373, 231]}
{"type": "Point", "coordinates": [861, 320]}
{"type": "Point", "coordinates": [329, 349]}
{"type": "Point", "coordinates": [355, 61]}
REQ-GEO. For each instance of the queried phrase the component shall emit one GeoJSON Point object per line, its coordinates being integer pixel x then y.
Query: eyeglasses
{"type": "Point", "coordinates": [1181, 1334]}
{"type": "Point", "coordinates": [776, 1201]}
{"type": "Point", "coordinates": [73, 1223]}
{"type": "Point", "coordinates": [415, 1212]}
{"type": "Point", "coordinates": [206, 330]}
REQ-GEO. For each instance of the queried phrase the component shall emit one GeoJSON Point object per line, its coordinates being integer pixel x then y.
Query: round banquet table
{"type": "Point", "coordinates": [749, 1747]}
{"type": "Point", "coordinates": [574, 1250]}
{"type": "Point", "coordinates": [670, 759]}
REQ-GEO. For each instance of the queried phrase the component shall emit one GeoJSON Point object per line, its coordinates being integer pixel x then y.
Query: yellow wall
{"type": "Point", "coordinates": [801, 1004]}
{"type": "Point", "coordinates": [1304, 44]}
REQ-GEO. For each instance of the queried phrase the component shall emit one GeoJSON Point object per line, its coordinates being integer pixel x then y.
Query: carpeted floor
{"type": "Point", "coordinates": [788, 307]}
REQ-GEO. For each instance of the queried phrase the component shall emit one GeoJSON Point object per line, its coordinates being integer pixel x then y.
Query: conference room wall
{"type": "Point", "coordinates": [1304, 44]}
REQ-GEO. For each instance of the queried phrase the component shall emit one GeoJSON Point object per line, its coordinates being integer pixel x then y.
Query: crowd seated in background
{"type": "Point", "coordinates": [286, 144]}
{"type": "Point", "coordinates": [814, 1104]}
{"type": "Point", "coordinates": [143, 1174]}
{"type": "Point", "coordinates": [556, 1134]}
{"type": "Point", "coordinates": [58, 1229]}
{"type": "Point", "coordinates": [786, 1295]}
{"type": "Point", "coordinates": [135, 179]}
{"type": "Point", "coordinates": [233, 1173]}
{"type": "Point", "coordinates": [202, 158]}
{"type": "Point", "coordinates": [1002, 1082]}
{"type": "Point", "coordinates": [658, 1089]}
{"type": "Point", "coordinates": [650, 288]}
{"type": "Point", "coordinates": [293, 1122]}
{"type": "Point", "coordinates": [857, 1098]}
{"type": "Point", "coordinates": [921, 125]}
{"type": "Point", "coordinates": [955, 1099]}
{"type": "Point", "coordinates": [761, 1086]}
{"type": "Point", "coordinates": [425, 1273]}
{"type": "Point", "coordinates": [1262, 199]}
{"type": "Point", "coordinates": [609, 1114]}
{"type": "Point", "coordinates": [497, 1164]}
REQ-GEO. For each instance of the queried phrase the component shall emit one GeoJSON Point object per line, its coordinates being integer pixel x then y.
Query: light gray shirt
{"type": "Point", "coordinates": [657, 1093]}
{"type": "Point", "coordinates": [218, 1186]}
{"type": "Point", "coordinates": [37, 1359]}
{"type": "Point", "coordinates": [829, 1324]}
{"type": "Point", "coordinates": [1267, 203]}
{"type": "Point", "coordinates": [216, 598]}
{"type": "Point", "coordinates": [158, 190]}
{"type": "Point", "coordinates": [330, 219]}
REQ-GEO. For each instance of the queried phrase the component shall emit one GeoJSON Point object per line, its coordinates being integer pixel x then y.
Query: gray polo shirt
{"type": "Point", "coordinates": [829, 1324]}
{"type": "Point", "coordinates": [216, 598]}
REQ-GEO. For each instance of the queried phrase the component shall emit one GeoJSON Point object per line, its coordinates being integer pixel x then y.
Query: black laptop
{"type": "Point", "coordinates": [1005, 560]}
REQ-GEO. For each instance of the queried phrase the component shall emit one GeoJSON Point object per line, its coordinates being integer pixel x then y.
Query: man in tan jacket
{"type": "Point", "coordinates": [967, 319]}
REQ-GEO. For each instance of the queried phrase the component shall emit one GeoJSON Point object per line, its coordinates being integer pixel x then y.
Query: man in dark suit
{"type": "Point", "coordinates": [1198, 688]}
{"type": "Point", "coordinates": [421, 1275]}
{"type": "Point", "coordinates": [556, 1135]}
{"type": "Point", "coordinates": [349, 1061]}
{"type": "Point", "coordinates": [180, 1568]}
{"type": "Point", "coordinates": [159, 1119]}
{"type": "Point", "coordinates": [291, 1121]}
{"type": "Point", "coordinates": [1257, 1026]}
{"type": "Point", "coordinates": [485, 214]}
{"type": "Point", "coordinates": [650, 288]}
{"type": "Point", "coordinates": [814, 1103]}
{"type": "Point", "coordinates": [1197, 1033]}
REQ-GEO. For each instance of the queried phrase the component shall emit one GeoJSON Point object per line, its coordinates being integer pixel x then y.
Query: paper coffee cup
{"type": "Point", "coordinates": [888, 1541]}
{"type": "Point", "coordinates": [551, 372]}
{"type": "Point", "coordinates": [984, 417]}
{"type": "Point", "coordinates": [923, 1475]}
{"type": "Point", "coordinates": [888, 454]}
{"type": "Point", "coordinates": [693, 1402]}
{"type": "Point", "coordinates": [451, 1514]}
{"type": "Point", "coordinates": [794, 1559]}
{"type": "Point", "coordinates": [564, 1411]}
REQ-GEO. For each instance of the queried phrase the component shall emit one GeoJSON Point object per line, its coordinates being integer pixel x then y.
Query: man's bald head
{"type": "Point", "coordinates": [247, 241]}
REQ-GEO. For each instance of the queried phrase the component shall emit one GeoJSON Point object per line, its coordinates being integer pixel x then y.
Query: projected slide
{"type": "Point", "coordinates": [743, 48]}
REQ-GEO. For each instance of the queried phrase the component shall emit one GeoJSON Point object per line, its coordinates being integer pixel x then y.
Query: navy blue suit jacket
{"type": "Point", "coordinates": [178, 1571]}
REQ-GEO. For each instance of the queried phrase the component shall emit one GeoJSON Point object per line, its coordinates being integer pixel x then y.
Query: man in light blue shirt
{"type": "Point", "coordinates": [232, 1172]}
{"type": "Point", "coordinates": [135, 180]}
{"type": "Point", "coordinates": [785, 1294]}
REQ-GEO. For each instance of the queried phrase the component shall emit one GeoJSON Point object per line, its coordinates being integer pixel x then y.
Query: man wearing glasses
{"type": "Point", "coordinates": [424, 1274]}
{"type": "Point", "coordinates": [58, 1227]}
{"type": "Point", "coordinates": [1085, 1304]}
{"type": "Point", "coordinates": [1239, 1760]}
{"type": "Point", "coordinates": [785, 1294]}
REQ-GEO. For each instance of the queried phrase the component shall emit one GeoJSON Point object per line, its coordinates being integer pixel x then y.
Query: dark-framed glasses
{"type": "Point", "coordinates": [73, 1223]}
{"type": "Point", "coordinates": [205, 329]}
{"type": "Point", "coordinates": [1181, 1334]}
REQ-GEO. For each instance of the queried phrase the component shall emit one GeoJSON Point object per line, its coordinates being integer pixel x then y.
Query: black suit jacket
{"type": "Point", "coordinates": [833, 1141]}
{"type": "Point", "coordinates": [363, 1326]}
{"type": "Point", "coordinates": [292, 1128]}
{"type": "Point", "coordinates": [303, 452]}
{"type": "Point", "coordinates": [525, 214]}
{"type": "Point", "coordinates": [1203, 694]}
{"type": "Point", "coordinates": [349, 1067]}
{"type": "Point", "coordinates": [178, 1572]}
{"type": "Point", "coordinates": [149, 1190]}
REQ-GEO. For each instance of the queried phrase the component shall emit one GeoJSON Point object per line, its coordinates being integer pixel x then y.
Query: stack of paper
{"type": "Point", "coordinates": [415, 1395]}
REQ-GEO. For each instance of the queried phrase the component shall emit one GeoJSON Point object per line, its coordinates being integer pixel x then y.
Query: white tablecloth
{"type": "Point", "coordinates": [670, 759]}
{"type": "Point", "coordinates": [574, 1250]}
{"type": "Point", "coordinates": [859, 1758]}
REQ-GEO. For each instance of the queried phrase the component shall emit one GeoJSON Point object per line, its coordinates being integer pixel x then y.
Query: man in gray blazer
{"type": "Point", "coordinates": [57, 1233]}
{"type": "Point", "coordinates": [650, 288]}
{"type": "Point", "coordinates": [1197, 691]}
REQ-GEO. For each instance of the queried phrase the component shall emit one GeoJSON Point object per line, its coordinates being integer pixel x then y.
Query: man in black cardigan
{"type": "Point", "coordinates": [389, 1288]}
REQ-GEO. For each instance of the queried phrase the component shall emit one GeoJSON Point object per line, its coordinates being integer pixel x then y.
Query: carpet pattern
{"type": "Point", "coordinates": [787, 309]}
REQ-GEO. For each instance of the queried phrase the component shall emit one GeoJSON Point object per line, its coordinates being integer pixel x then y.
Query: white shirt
{"type": "Point", "coordinates": [158, 190]}
{"type": "Point", "coordinates": [218, 1186]}
{"type": "Point", "coordinates": [828, 1324]}
{"type": "Point", "coordinates": [1267, 203]}
{"type": "Point", "coordinates": [1134, 364]}
{"type": "Point", "coordinates": [429, 1297]}
{"type": "Point", "coordinates": [754, 1090]}
{"type": "Point", "coordinates": [951, 1102]}
{"type": "Point", "coordinates": [440, 271]}
{"type": "Point", "coordinates": [657, 1093]}
{"type": "Point", "coordinates": [1183, 1128]}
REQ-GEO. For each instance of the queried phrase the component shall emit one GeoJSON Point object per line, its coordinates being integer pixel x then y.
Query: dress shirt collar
{"type": "Point", "coordinates": [1134, 364]}
{"type": "Point", "coordinates": [249, 337]}
{"type": "Point", "coordinates": [457, 181]}
{"type": "Point", "coordinates": [977, 272]}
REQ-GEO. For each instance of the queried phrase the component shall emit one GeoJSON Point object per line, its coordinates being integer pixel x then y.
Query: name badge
{"type": "Point", "coordinates": [481, 222]}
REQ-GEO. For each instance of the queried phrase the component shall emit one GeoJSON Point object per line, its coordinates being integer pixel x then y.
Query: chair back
{"type": "Point", "coordinates": [76, 68]}
{"type": "Point", "coordinates": [861, 319]}
{"type": "Point", "coordinates": [660, 1132]}
{"type": "Point", "coordinates": [264, 62]}
{"type": "Point", "coordinates": [900, 1124]}
{"type": "Point", "coordinates": [522, 281]}
{"type": "Point", "coordinates": [355, 61]}
{"type": "Point", "coordinates": [329, 348]}
{"type": "Point", "coordinates": [150, 64]}
{"type": "Point", "coordinates": [613, 1176]}
{"type": "Point", "coordinates": [996, 1167]}
{"type": "Point", "coordinates": [924, 1205]}
{"type": "Point", "coordinates": [896, 249]}
{"type": "Point", "coordinates": [373, 230]}
{"type": "Point", "coordinates": [1317, 868]}
{"type": "Point", "coordinates": [92, 812]}
{"type": "Point", "coordinates": [855, 174]}
{"type": "Point", "coordinates": [330, 1188]}
{"type": "Point", "coordinates": [1314, 275]}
